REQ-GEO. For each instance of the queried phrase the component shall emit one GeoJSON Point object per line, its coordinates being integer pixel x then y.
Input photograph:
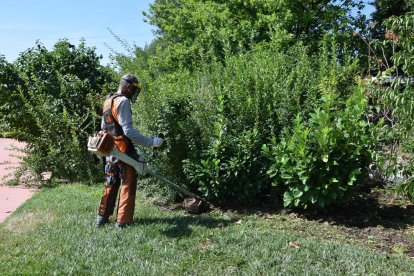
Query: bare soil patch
{"type": "Point", "coordinates": [379, 219]}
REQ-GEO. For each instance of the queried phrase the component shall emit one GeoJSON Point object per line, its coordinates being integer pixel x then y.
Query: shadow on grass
{"type": "Point", "coordinates": [182, 226]}
{"type": "Point", "coordinates": [369, 210]}
{"type": "Point", "coordinates": [386, 225]}
{"type": "Point", "coordinates": [366, 212]}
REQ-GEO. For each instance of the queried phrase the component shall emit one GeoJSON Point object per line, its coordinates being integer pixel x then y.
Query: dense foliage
{"type": "Point", "coordinates": [217, 119]}
{"type": "Point", "coordinates": [249, 111]}
{"type": "Point", "coordinates": [196, 32]}
{"type": "Point", "coordinates": [323, 159]}
{"type": "Point", "coordinates": [256, 98]}
{"type": "Point", "coordinates": [52, 105]}
{"type": "Point", "coordinates": [10, 105]}
{"type": "Point", "coordinates": [397, 99]}
{"type": "Point", "coordinates": [384, 9]}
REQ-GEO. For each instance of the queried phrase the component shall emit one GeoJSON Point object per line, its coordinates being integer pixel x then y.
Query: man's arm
{"type": "Point", "coordinates": [125, 121]}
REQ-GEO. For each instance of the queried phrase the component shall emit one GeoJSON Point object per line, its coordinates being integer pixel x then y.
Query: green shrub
{"type": "Point", "coordinates": [217, 118]}
{"type": "Point", "coordinates": [230, 168]}
{"type": "Point", "coordinates": [322, 159]}
{"type": "Point", "coordinates": [56, 106]}
{"type": "Point", "coordinates": [11, 103]}
{"type": "Point", "coordinates": [59, 146]}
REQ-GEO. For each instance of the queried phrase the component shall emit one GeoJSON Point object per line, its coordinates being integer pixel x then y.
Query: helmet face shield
{"type": "Point", "coordinates": [137, 85]}
{"type": "Point", "coordinates": [135, 89]}
{"type": "Point", "coordinates": [135, 96]}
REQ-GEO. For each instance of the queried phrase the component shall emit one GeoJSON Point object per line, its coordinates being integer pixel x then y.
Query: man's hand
{"type": "Point", "coordinates": [157, 142]}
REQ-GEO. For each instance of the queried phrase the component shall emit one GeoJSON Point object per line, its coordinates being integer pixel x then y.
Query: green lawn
{"type": "Point", "coordinates": [54, 232]}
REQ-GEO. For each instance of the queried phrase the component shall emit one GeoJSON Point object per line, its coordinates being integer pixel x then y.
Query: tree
{"type": "Point", "coordinates": [384, 9]}
{"type": "Point", "coordinates": [9, 80]}
{"type": "Point", "coordinates": [53, 105]}
{"type": "Point", "coordinates": [196, 30]}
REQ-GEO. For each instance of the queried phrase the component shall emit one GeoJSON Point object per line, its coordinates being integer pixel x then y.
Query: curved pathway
{"type": "Point", "coordinates": [11, 197]}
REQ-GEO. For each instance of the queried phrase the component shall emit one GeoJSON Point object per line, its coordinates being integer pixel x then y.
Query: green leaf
{"type": "Point", "coordinates": [297, 193]}
{"type": "Point", "coordinates": [287, 199]}
{"type": "Point", "coordinates": [321, 202]}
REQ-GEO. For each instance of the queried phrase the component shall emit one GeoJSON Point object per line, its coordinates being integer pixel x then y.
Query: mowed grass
{"type": "Point", "coordinates": [54, 232]}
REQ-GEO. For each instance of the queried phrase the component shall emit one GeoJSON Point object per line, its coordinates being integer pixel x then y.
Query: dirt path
{"type": "Point", "coordinates": [10, 197]}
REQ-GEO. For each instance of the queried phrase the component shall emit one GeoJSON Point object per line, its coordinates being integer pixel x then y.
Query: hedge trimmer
{"type": "Point", "coordinates": [103, 145]}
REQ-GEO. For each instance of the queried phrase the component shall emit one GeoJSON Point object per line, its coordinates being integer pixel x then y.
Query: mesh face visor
{"type": "Point", "coordinates": [134, 98]}
{"type": "Point", "coordinates": [137, 85]}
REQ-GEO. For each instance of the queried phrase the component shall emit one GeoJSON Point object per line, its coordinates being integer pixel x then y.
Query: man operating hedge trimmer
{"type": "Point", "coordinates": [117, 121]}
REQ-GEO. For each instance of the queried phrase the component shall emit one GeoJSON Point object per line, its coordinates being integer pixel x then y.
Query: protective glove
{"type": "Point", "coordinates": [157, 142]}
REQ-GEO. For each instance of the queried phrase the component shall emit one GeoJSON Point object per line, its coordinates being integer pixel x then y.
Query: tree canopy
{"type": "Point", "coordinates": [198, 30]}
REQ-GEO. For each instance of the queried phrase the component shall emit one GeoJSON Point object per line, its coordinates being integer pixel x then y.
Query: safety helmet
{"type": "Point", "coordinates": [132, 80]}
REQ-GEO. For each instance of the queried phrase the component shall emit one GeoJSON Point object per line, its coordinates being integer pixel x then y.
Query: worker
{"type": "Point", "coordinates": [117, 121]}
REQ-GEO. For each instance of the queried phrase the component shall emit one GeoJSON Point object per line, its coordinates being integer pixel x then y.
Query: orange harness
{"type": "Point", "coordinates": [112, 125]}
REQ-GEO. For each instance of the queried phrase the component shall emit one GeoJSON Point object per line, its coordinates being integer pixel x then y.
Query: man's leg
{"type": "Point", "coordinates": [127, 197]}
{"type": "Point", "coordinates": [108, 200]}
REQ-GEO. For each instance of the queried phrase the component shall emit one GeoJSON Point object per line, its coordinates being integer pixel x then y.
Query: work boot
{"type": "Point", "coordinates": [120, 225]}
{"type": "Point", "coordinates": [100, 220]}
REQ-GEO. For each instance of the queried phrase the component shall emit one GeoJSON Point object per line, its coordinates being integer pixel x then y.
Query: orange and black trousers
{"type": "Point", "coordinates": [119, 175]}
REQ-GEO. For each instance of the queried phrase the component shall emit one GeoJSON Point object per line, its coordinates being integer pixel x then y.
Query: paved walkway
{"type": "Point", "coordinates": [10, 197]}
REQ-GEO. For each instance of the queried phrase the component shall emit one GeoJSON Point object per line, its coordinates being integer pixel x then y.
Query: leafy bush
{"type": "Point", "coordinates": [230, 168]}
{"type": "Point", "coordinates": [58, 98]}
{"type": "Point", "coordinates": [218, 117]}
{"type": "Point", "coordinates": [9, 80]}
{"type": "Point", "coordinates": [322, 159]}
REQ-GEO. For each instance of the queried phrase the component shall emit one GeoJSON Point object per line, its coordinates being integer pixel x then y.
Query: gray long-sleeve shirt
{"type": "Point", "coordinates": [123, 109]}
